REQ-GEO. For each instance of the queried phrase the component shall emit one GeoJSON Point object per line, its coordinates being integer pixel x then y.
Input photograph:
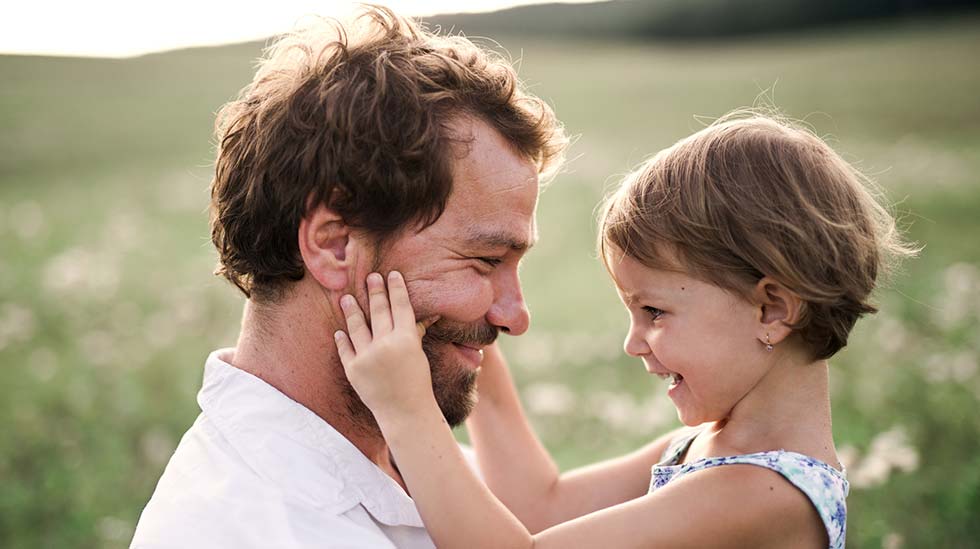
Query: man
{"type": "Point", "coordinates": [371, 146]}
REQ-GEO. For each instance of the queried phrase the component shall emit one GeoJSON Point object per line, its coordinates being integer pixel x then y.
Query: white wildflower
{"type": "Point", "coordinates": [79, 272]}
{"type": "Point", "coordinates": [17, 324]}
{"type": "Point", "coordinates": [616, 410]}
{"type": "Point", "coordinates": [962, 295]}
{"type": "Point", "coordinates": [114, 529]}
{"type": "Point", "coordinates": [27, 220]}
{"type": "Point", "coordinates": [124, 230]}
{"type": "Point", "coordinates": [888, 451]}
{"type": "Point", "coordinates": [125, 318]}
{"type": "Point", "coordinates": [848, 456]}
{"type": "Point", "coordinates": [873, 470]}
{"type": "Point", "coordinates": [43, 363]}
{"type": "Point", "coordinates": [893, 540]}
{"type": "Point", "coordinates": [891, 334]}
{"type": "Point", "coordinates": [157, 446]}
{"type": "Point", "coordinates": [962, 279]}
{"type": "Point", "coordinates": [98, 347]}
{"type": "Point", "coordinates": [549, 399]}
{"type": "Point", "coordinates": [160, 330]}
{"type": "Point", "coordinates": [656, 413]}
{"type": "Point", "coordinates": [187, 309]}
{"type": "Point", "coordinates": [936, 368]}
{"type": "Point", "coordinates": [534, 352]}
{"type": "Point", "coordinates": [183, 192]}
{"type": "Point", "coordinates": [963, 366]}
{"type": "Point", "coordinates": [608, 346]}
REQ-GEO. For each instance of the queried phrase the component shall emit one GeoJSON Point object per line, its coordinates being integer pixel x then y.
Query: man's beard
{"type": "Point", "coordinates": [453, 384]}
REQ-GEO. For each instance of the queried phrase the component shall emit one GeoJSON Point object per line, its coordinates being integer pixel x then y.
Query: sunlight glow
{"type": "Point", "coordinates": [123, 28]}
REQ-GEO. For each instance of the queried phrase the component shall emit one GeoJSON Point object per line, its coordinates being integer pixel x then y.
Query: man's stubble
{"type": "Point", "coordinates": [453, 383]}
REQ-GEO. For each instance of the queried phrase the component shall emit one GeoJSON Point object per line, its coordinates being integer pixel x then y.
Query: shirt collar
{"type": "Point", "coordinates": [286, 443]}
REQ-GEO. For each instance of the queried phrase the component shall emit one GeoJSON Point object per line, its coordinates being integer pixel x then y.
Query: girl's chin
{"type": "Point", "coordinates": [690, 417]}
{"type": "Point", "coordinates": [688, 422]}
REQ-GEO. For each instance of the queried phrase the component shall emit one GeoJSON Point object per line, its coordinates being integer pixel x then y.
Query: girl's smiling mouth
{"type": "Point", "coordinates": [674, 378]}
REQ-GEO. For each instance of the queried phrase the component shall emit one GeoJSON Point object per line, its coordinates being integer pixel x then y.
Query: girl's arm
{"type": "Point", "coordinates": [387, 367]}
{"type": "Point", "coordinates": [723, 507]}
{"type": "Point", "coordinates": [734, 505]}
{"type": "Point", "coordinates": [520, 472]}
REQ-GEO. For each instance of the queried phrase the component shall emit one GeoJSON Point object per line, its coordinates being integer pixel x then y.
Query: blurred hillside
{"type": "Point", "coordinates": [675, 19]}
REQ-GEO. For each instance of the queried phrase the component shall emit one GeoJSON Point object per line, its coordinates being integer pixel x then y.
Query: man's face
{"type": "Point", "coordinates": [463, 268]}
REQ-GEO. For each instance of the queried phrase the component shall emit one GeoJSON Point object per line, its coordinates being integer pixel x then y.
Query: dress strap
{"type": "Point", "coordinates": [678, 447]}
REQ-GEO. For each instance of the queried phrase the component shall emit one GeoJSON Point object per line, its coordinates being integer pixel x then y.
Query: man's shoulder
{"type": "Point", "coordinates": [218, 523]}
{"type": "Point", "coordinates": [212, 495]}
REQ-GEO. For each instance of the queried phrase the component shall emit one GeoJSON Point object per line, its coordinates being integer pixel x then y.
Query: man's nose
{"type": "Point", "coordinates": [509, 311]}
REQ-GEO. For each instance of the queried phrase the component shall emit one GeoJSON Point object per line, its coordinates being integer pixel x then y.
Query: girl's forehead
{"type": "Point", "coordinates": [635, 279]}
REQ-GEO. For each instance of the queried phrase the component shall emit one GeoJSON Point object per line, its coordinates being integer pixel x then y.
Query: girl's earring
{"type": "Point", "coordinates": [768, 344]}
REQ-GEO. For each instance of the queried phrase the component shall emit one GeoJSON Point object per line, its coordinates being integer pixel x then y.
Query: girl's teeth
{"type": "Point", "coordinates": [674, 379]}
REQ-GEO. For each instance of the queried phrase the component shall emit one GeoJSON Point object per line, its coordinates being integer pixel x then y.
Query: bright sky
{"type": "Point", "coordinates": [121, 28]}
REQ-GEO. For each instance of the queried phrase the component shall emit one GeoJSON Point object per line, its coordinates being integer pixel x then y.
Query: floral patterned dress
{"type": "Point", "coordinates": [825, 486]}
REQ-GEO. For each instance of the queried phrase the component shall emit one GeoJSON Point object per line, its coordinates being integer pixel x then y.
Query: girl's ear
{"type": "Point", "coordinates": [325, 245]}
{"type": "Point", "coordinates": [779, 309]}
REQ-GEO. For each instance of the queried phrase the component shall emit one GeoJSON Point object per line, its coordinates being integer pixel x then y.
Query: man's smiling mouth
{"type": "Point", "coordinates": [473, 353]}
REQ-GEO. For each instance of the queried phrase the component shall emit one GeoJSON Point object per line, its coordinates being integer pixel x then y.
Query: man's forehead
{"type": "Point", "coordinates": [488, 163]}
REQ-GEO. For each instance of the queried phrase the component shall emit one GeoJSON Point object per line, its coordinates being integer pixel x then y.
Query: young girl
{"type": "Point", "coordinates": [744, 254]}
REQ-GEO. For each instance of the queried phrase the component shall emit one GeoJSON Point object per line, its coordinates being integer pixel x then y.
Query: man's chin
{"type": "Point", "coordinates": [453, 383]}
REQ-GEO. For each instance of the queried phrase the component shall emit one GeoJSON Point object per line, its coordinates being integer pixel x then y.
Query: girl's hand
{"type": "Point", "coordinates": [384, 362]}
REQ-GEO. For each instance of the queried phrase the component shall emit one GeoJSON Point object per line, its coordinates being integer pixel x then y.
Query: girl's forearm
{"type": "Point", "coordinates": [515, 465]}
{"type": "Point", "coordinates": [520, 472]}
{"type": "Point", "coordinates": [432, 465]}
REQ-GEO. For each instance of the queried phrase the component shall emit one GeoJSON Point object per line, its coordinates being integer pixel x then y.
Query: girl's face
{"type": "Point", "coordinates": [701, 339]}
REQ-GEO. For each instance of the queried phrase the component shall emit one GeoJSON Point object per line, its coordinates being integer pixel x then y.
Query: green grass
{"type": "Point", "coordinates": [108, 308]}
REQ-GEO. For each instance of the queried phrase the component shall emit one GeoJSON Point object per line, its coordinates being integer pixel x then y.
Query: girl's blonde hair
{"type": "Point", "coordinates": [755, 195]}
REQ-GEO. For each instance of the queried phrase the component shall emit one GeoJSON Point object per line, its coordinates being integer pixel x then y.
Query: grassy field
{"type": "Point", "coordinates": [108, 308]}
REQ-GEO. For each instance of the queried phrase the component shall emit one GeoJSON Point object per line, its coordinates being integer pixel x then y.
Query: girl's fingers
{"type": "Point", "coordinates": [357, 327]}
{"type": "Point", "coordinates": [344, 348]}
{"type": "Point", "coordinates": [423, 325]}
{"type": "Point", "coordinates": [401, 306]}
{"type": "Point", "coordinates": [378, 301]}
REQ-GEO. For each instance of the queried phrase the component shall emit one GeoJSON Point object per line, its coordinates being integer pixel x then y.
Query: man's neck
{"type": "Point", "coordinates": [289, 346]}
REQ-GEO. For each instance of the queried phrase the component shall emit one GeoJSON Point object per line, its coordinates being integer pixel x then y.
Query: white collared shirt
{"type": "Point", "coordinates": [258, 469]}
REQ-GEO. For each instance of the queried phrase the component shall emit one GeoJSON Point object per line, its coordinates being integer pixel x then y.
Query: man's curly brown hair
{"type": "Point", "coordinates": [356, 117]}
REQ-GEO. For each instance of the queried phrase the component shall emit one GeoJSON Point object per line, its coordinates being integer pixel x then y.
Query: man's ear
{"type": "Point", "coordinates": [326, 247]}
{"type": "Point", "coordinates": [779, 310]}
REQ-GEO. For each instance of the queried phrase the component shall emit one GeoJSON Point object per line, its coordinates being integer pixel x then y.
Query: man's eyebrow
{"type": "Point", "coordinates": [499, 239]}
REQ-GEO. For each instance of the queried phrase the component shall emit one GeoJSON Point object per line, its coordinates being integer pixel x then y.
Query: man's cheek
{"type": "Point", "coordinates": [461, 294]}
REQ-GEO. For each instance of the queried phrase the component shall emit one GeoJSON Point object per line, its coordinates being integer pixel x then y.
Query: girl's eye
{"type": "Point", "coordinates": [654, 312]}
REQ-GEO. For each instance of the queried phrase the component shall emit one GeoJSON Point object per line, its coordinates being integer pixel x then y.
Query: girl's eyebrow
{"type": "Point", "coordinates": [631, 298]}
{"type": "Point", "coordinates": [641, 295]}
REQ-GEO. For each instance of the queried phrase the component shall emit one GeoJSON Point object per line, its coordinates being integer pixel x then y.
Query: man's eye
{"type": "Point", "coordinates": [491, 261]}
{"type": "Point", "coordinates": [654, 312]}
